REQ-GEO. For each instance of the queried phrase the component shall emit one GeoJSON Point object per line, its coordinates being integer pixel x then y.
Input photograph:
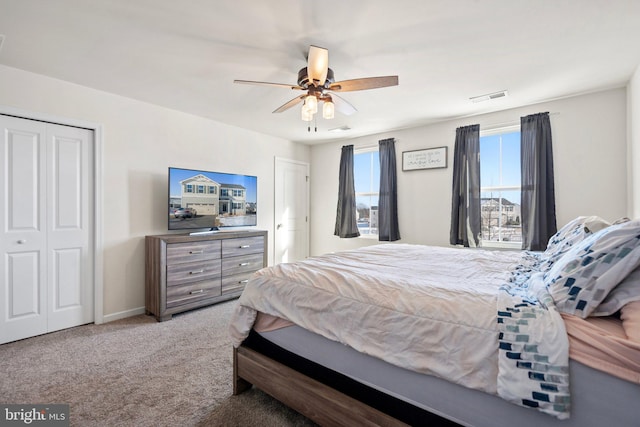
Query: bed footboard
{"type": "Point", "coordinates": [319, 402]}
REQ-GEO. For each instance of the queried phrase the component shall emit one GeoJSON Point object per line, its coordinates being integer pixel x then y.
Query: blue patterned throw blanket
{"type": "Point", "coordinates": [533, 365]}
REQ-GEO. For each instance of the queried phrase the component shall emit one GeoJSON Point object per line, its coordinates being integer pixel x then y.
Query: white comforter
{"type": "Point", "coordinates": [428, 309]}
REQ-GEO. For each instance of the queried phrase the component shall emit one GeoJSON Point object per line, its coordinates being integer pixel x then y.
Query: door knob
{"type": "Point", "coordinates": [22, 242]}
{"type": "Point", "coordinates": [279, 226]}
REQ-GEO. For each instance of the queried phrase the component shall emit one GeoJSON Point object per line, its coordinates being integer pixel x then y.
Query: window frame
{"type": "Point", "coordinates": [365, 150]}
{"type": "Point", "coordinates": [510, 128]}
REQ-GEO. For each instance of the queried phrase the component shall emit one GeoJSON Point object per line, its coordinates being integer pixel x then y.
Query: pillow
{"type": "Point", "coordinates": [581, 279]}
{"type": "Point", "coordinates": [627, 291]}
{"type": "Point", "coordinates": [621, 220]}
{"type": "Point", "coordinates": [630, 315]}
{"type": "Point", "coordinates": [571, 234]}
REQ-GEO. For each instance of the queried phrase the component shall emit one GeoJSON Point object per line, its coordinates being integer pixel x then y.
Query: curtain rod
{"type": "Point", "coordinates": [364, 147]}
{"type": "Point", "coordinates": [505, 124]}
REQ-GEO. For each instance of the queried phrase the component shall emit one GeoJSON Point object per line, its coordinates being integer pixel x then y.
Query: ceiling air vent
{"type": "Point", "coordinates": [489, 96]}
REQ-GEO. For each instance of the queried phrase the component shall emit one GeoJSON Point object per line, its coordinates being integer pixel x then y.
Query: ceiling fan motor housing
{"type": "Point", "coordinates": [303, 79]}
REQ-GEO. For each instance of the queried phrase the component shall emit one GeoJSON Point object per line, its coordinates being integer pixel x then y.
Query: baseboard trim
{"type": "Point", "coordinates": [123, 314]}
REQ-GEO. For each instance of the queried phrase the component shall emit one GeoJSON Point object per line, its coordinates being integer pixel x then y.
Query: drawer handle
{"type": "Point", "coordinates": [199, 291]}
{"type": "Point", "coordinates": [244, 281]}
{"type": "Point", "coordinates": [245, 246]}
{"type": "Point", "coordinates": [196, 252]}
{"type": "Point", "coordinates": [244, 264]}
{"type": "Point", "coordinates": [196, 272]}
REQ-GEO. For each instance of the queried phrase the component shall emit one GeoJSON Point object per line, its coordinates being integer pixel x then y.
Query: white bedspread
{"type": "Point", "coordinates": [429, 309]}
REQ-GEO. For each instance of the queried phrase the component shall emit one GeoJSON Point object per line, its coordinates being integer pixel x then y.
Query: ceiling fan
{"type": "Point", "coordinates": [317, 80]}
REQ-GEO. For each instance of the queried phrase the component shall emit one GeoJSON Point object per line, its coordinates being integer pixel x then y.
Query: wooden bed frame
{"type": "Point", "coordinates": [313, 399]}
{"type": "Point", "coordinates": [330, 398]}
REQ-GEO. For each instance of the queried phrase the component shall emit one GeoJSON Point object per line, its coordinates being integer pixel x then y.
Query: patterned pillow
{"type": "Point", "coordinates": [627, 291]}
{"type": "Point", "coordinates": [581, 279]}
{"type": "Point", "coordinates": [571, 234]}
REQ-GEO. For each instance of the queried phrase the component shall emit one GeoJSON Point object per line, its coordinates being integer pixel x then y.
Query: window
{"type": "Point", "coordinates": [212, 189]}
{"type": "Point", "coordinates": [189, 188]}
{"type": "Point", "coordinates": [500, 187]}
{"type": "Point", "coordinates": [366, 175]}
{"type": "Point", "coordinates": [200, 189]}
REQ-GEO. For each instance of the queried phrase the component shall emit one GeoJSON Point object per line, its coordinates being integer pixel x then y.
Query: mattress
{"type": "Point", "coordinates": [447, 312]}
{"type": "Point", "coordinates": [597, 398]}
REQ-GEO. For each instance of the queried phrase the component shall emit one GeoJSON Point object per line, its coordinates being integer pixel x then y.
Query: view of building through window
{"type": "Point", "coordinates": [500, 186]}
{"type": "Point", "coordinates": [366, 174]}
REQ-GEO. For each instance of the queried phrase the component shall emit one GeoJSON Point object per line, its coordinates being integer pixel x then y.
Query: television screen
{"type": "Point", "coordinates": [204, 200]}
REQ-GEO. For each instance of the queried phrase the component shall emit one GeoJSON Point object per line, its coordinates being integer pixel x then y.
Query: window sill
{"type": "Point", "coordinates": [368, 236]}
{"type": "Point", "coordinates": [512, 246]}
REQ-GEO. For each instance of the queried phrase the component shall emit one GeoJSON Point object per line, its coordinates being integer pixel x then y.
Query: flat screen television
{"type": "Point", "coordinates": [205, 200]}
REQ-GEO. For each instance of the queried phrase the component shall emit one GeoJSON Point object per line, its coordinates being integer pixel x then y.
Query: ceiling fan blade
{"type": "Point", "coordinates": [364, 83]}
{"type": "Point", "coordinates": [251, 82]}
{"type": "Point", "coordinates": [342, 105]}
{"type": "Point", "coordinates": [317, 65]}
{"type": "Point", "coordinates": [289, 104]}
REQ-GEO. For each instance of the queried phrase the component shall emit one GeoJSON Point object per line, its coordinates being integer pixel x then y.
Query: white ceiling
{"type": "Point", "coordinates": [185, 54]}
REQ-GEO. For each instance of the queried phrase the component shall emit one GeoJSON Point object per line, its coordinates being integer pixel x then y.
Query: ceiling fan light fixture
{"type": "Point", "coordinates": [328, 110]}
{"type": "Point", "coordinates": [306, 115]}
{"type": "Point", "coordinates": [318, 82]}
{"type": "Point", "coordinates": [311, 104]}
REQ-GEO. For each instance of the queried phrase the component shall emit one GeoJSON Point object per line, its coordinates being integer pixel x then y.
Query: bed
{"type": "Point", "coordinates": [397, 334]}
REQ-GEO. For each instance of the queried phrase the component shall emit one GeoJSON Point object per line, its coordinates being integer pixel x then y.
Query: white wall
{"type": "Point", "coordinates": [590, 147]}
{"type": "Point", "coordinates": [633, 117]}
{"type": "Point", "coordinates": [140, 142]}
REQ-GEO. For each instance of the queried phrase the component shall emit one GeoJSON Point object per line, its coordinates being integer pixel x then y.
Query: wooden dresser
{"type": "Point", "coordinates": [183, 272]}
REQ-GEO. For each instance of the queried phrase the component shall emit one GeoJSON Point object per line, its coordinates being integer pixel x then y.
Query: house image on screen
{"type": "Point", "coordinates": [233, 199]}
{"type": "Point", "coordinates": [202, 194]}
{"type": "Point", "coordinates": [209, 197]}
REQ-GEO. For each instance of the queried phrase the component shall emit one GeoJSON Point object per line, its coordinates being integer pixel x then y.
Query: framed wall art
{"type": "Point", "coordinates": [428, 158]}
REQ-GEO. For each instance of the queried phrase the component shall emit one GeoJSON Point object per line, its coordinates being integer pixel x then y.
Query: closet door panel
{"type": "Point", "coordinates": [70, 269]}
{"type": "Point", "coordinates": [23, 287]}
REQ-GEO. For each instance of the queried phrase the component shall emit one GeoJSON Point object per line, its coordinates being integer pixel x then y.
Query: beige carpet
{"type": "Point", "coordinates": [139, 372]}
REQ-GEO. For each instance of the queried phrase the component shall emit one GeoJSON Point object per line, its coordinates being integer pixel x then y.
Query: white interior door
{"type": "Point", "coordinates": [69, 226]}
{"type": "Point", "coordinates": [23, 229]}
{"type": "Point", "coordinates": [291, 240]}
{"type": "Point", "coordinates": [46, 269]}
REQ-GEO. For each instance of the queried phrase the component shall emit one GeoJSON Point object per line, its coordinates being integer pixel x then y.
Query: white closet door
{"type": "Point", "coordinates": [46, 268]}
{"type": "Point", "coordinates": [23, 237]}
{"type": "Point", "coordinates": [69, 264]}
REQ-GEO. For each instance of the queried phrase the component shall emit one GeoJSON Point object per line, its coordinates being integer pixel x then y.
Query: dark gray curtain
{"type": "Point", "coordinates": [538, 204]}
{"type": "Point", "coordinates": [346, 223]}
{"type": "Point", "coordinates": [465, 200]}
{"type": "Point", "coordinates": [388, 229]}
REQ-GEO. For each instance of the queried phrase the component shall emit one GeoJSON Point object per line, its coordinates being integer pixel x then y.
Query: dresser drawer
{"type": "Point", "coordinates": [192, 292]}
{"type": "Point", "coordinates": [242, 246]}
{"type": "Point", "coordinates": [241, 264]}
{"type": "Point", "coordinates": [193, 251]}
{"type": "Point", "coordinates": [187, 272]}
{"type": "Point", "coordinates": [235, 283]}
